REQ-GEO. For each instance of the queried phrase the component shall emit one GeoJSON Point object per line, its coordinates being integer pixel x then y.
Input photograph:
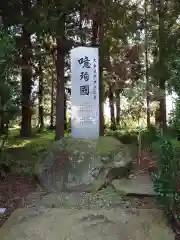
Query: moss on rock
{"type": "Point", "coordinates": [70, 162]}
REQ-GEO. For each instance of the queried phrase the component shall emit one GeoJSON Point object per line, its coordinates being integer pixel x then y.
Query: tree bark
{"type": "Point", "coordinates": [95, 28]}
{"type": "Point", "coordinates": [53, 93]}
{"type": "Point", "coordinates": [147, 67]}
{"type": "Point", "coordinates": [2, 123]}
{"type": "Point", "coordinates": [101, 85]}
{"type": "Point", "coordinates": [2, 117]}
{"type": "Point", "coordinates": [41, 98]}
{"type": "Point", "coordinates": [82, 36]}
{"type": "Point", "coordinates": [162, 80]}
{"type": "Point", "coordinates": [52, 104]}
{"type": "Point", "coordinates": [60, 92]}
{"type": "Point", "coordinates": [26, 84]}
{"type": "Point", "coordinates": [118, 106]}
{"type": "Point", "coordinates": [65, 109]}
{"type": "Point", "coordinates": [111, 105]}
{"type": "Point", "coordinates": [97, 31]}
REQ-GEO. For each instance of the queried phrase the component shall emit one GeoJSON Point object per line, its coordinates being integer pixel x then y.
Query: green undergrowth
{"type": "Point", "coordinates": [167, 179]}
{"type": "Point", "coordinates": [22, 153]}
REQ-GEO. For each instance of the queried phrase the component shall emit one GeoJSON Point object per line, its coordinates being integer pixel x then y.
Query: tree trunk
{"type": "Point", "coordinates": [111, 105]}
{"type": "Point", "coordinates": [41, 98]}
{"type": "Point", "coordinates": [147, 67]}
{"type": "Point", "coordinates": [118, 106]}
{"type": "Point", "coordinates": [26, 84]}
{"type": "Point", "coordinates": [101, 85]}
{"type": "Point", "coordinates": [65, 109]}
{"type": "Point", "coordinates": [94, 31]}
{"type": "Point", "coordinates": [53, 94]}
{"type": "Point", "coordinates": [82, 36]}
{"type": "Point", "coordinates": [52, 104]}
{"type": "Point", "coordinates": [162, 80]}
{"type": "Point", "coordinates": [2, 123]}
{"type": "Point", "coordinates": [162, 107]}
{"type": "Point", "coordinates": [60, 92]}
{"type": "Point", "coordinates": [2, 117]}
{"type": "Point", "coordinates": [98, 31]}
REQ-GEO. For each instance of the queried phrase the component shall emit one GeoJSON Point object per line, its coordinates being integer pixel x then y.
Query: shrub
{"type": "Point", "coordinates": [148, 136]}
{"type": "Point", "coordinates": [123, 136]}
{"type": "Point", "coordinates": [166, 180]}
{"type": "Point", "coordinates": [5, 159]}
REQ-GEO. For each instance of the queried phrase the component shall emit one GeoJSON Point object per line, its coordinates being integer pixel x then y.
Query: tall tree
{"type": "Point", "coordinates": [162, 79]}
{"type": "Point", "coordinates": [147, 63]}
{"type": "Point", "coordinates": [60, 87]}
{"type": "Point", "coordinates": [52, 102]}
{"type": "Point", "coordinates": [97, 40]}
{"type": "Point", "coordinates": [101, 64]}
{"type": "Point", "coordinates": [118, 104]}
{"type": "Point", "coordinates": [111, 105]}
{"type": "Point", "coordinates": [26, 71]}
{"type": "Point", "coordinates": [41, 96]}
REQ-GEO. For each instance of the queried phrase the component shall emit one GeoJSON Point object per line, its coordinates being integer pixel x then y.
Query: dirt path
{"type": "Point", "coordinates": [78, 215]}
{"type": "Point", "coordinates": [59, 224]}
{"type": "Point", "coordinates": [18, 191]}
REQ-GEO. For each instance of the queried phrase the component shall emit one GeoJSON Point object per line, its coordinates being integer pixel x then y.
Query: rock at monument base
{"type": "Point", "coordinates": [70, 162]}
{"type": "Point", "coordinates": [138, 185]}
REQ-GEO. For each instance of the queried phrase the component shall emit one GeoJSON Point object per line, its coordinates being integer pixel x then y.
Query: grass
{"type": "Point", "coordinates": [25, 152]}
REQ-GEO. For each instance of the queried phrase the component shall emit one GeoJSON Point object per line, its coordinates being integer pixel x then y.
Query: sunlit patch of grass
{"type": "Point", "coordinates": [27, 151]}
{"type": "Point", "coordinates": [15, 141]}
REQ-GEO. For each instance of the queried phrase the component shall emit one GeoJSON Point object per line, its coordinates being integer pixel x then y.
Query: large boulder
{"type": "Point", "coordinates": [70, 163]}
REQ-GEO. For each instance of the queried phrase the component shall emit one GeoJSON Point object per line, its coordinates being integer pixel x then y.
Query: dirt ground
{"type": "Point", "coordinates": [74, 224]}
{"type": "Point", "coordinates": [12, 192]}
